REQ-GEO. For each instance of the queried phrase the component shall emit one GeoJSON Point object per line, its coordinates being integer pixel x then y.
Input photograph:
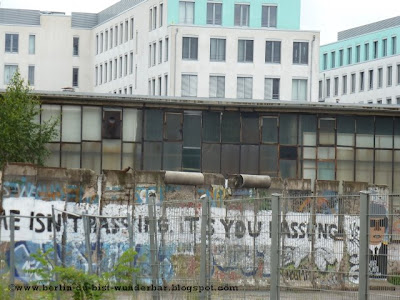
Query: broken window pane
{"type": "Point", "coordinates": [71, 123]}
{"type": "Point", "coordinates": [327, 131]}
{"type": "Point", "coordinates": [131, 155]}
{"type": "Point", "coordinates": [230, 127]}
{"type": "Point", "coordinates": [249, 159]}
{"type": "Point", "coordinates": [211, 154]}
{"type": "Point", "coordinates": [132, 125]}
{"type": "Point", "coordinates": [52, 112]}
{"type": "Point", "coordinates": [172, 156]}
{"type": "Point", "coordinates": [287, 168]}
{"type": "Point", "coordinates": [192, 130]}
{"type": "Point", "coordinates": [211, 126]}
{"type": "Point", "coordinates": [71, 156]}
{"type": "Point", "coordinates": [345, 131]}
{"type": "Point", "coordinates": [191, 160]}
{"type": "Point", "coordinates": [383, 167]}
{"type": "Point", "coordinates": [111, 155]}
{"type": "Point", "coordinates": [173, 127]}
{"type": "Point", "coordinates": [91, 156]}
{"type": "Point", "coordinates": [270, 130]}
{"type": "Point", "coordinates": [326, 170]}
{"type": "Point", "coordinates": [364, 165]}
{"type": "Point", "coordinates": [250, 128]}
{"type": "Point", "coordinates": [308, 129]}
{"type": "Point", "coordinates": [91, 123]}
{"type": "Point", "coordinates": [288, 129]}
{"type": "Point", "coordinates": [152, 156]}
{"type": "Point", "coordinates": [269, 160]}
{"type": "Point", "coordinates": [111, 124]}
{"type": "Point", "coordinates": [365, 132]}
{"type": "Point", "coordinates": [153, 126]}
{"type": "Point", "coordinates": [345, 163]}
{"type": "Point", "coordinates": [53, 160]}
{"type": "Point", "coordinates": [383, 132]}
{"type": "Point", "coordinates": [230, 159]}
{"type": "Point", "coordinates": [288, 152]}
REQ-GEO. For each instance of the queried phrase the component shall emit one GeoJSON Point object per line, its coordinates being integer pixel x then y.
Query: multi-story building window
{"type": "Point", "coordinates": [336, 86]}
{"type": "Point", "coordinates": [299, 89]}
{"type": "Point", "coordinates": [349, 56]}
{"type": "Point", "coordinates": [320, 89]}
{"type": "Point", "coordinates": [9, 71]}
{"type": "Point", "coordinates": [398, 74]}
{"type": "Point", "coordinates": [268, 16]}
{"type": "Point", "coordinates": [121, 33]}
{"type": "Point", "coordinates": [120, 66]}
{"type": "Point", "coordinates": [101, 74]}
{"type": "Point", "coordinates": [166, 48]}
{"type": "Point", "coordinates": [116, 36]}
{"type": "Point", "coordinates": [328, 88]}
{"type": "Point", "coordinates": [32, 44]}
{"type": "Point", "coordinates": [31, 75]}
{"type": "Point", "coordinates": [389, 76]}
{"type": "Point", "coordinates": [244, 88]}
{"type": "Point", "coordinates": [106, 40]}
{"type": "Point", "coordinates": [97, 44]}
{"type": "Point", "coordinates": [371, 79]}
{"type": "Point", "coordinates": [362, 79]}
{"type": "Point", "coordinates": [384, 47]}
{"type": "Point", "coordinates": [242, 14]}
{"type": "Point", "coordinates": [245, 51]}
{"type": "Point", "coordinates": [111, 38]}
{"type": "Point", "coordinates": [150, 55]}
{"type": "Point", "coordinates": [214, 13]}
{"type": "Point", "coordinates": [394, 45]}
{"type": "Point", "coordinates": [380, 77]}
{"type": "Point", "coordinates": [159, 86]}
{"type": "Point", "coordinates": [325, 61]}
{"type": "Point", "coordinates": [126, 65]}
{"type": "Point", "coordinates": [333, 59]}
{"type": "Point", "coordinates": [160, 51]}
{"type": "Point", "coordinates": [190, 48]}
{"type": "Point", "coordinates": [161, 14]}
{"type": "Point", "coordinates": [154, 54]}
{"type": "Point", "coordinates": [389, 100]}
{"type": "Point", "coordinates": [115, 68]}
{"type": "Point", "coordinates": [101, 42]}
{"type": "Point", "coordinates": [375, 50]}
{"type": "Point", "coordinates": [217, 49]}
{"type": "Point", "coordinates": [166, 84]}
{"type": "Point", "coordinates": [132, 30]}
{"type": "Point", "coordinates": [273, 52]}
{"type": "Point", "coordinates": [340, 57]}
{"type": "Point", "coordinates": [189, 85]}
{"type": "Point", "coordinates": [75, 77]}
{"type": "Point", "coordinates": [11, 43]}
{"type": "Point", "coordinates": [300, 53]}
{"type": "Point", "coordinates": [353, 83]}
{"type": "Point", "coordinates": [131, 62]}
{"type": "Point", "coordinates": [75, 46]}
{"type": "Point", "coordinates": [217, 86]}
{"type": "Point", "coordinates": [358, 53]}
{"type": "Point", "coordinates": [155, 17]}
{"type": "Point", "coordinates": [151, 19]}
{"type": "Point", "coordinates": [96, 75]}
{"type": "Point", "coordinates": [271, 88]}
{"type": "Point", "coordinates": [186, 12]}
{"type": "Point", "coordinates": [344, 85]}
{"type": "Point", "coordinates": [366, 51]}
{"type": "Point", "coordinates": [111, 69]}
{"type": "Point", "coordinates": [126, 30]}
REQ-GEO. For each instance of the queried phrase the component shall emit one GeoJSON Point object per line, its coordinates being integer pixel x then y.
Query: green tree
{"type": "Point", "coordinates": [22, 138]}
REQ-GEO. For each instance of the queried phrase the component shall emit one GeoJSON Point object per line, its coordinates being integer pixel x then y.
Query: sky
{"type": "Point", "coordinates": [325, 16]}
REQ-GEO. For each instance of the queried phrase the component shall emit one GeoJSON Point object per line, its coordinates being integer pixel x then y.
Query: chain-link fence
{"type": "Point", "coordinates": [289, 247]}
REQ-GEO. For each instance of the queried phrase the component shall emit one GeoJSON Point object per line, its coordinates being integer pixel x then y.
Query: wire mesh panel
{"type": "Point", "coordinates": [319, 246]}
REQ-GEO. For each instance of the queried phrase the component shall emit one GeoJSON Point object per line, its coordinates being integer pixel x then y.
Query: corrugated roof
{"type": "Point", "coordinates": [377, 26]}
{"type": "Point", "coordinates": [116, 9]}
{"type": "Point", "coordinates": [84, 20]}
{"type": "Point", "coordinates": [9, 16]}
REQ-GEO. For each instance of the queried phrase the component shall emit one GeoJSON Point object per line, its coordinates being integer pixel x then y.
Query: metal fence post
{"type": "Point", "coordinates": [12, 255]}
{"type": "Point", "coordinates": [86, 226]}
{"type": "Point", "coordinates": [153, 243]}
{"type": "Point", "coordinates": [363, 286]}
{"type": "Point", "coordinates": [53, 219]}
{"type": "Point", "coordinates": [275, 246]}
{"type": "Point", "coordinates": [203, 249]}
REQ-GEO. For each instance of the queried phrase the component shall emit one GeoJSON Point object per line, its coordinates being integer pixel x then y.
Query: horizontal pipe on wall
{"type": "Point", "coordinates": [252, 181]}
{"type": "Point", "coordinates": [186, 178]}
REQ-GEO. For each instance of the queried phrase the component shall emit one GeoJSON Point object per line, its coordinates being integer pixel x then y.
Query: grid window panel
{"type": "Point", "coordinates": [75, 46]}
{"type": "Point", "coordinates": [31, 75]}
{"type": "Point", "coordinates": [217, 87]}
{"type": "Point", "coordinates": [186, 12]}
{"type": "Point", "coordinates": [269, 16]}
{"type": "Point", "coordinates": [189, 48]}
{"type": "Point", "coordinates": [32, 44]}
{"type": "Point", "coordinates": [244, 88]}
{"type": "Point", "coordinates": [217, 49]}
{"type": "Point", "coordinates": [214, 13]}
{"type": "Point", "coordinates": [9, 71]}
{"type": "Point", "coordinates": [300, 53]}
{"type": "Point", "coordinates": [189, 85]}
{"type": "Point", "coordinates": [242, 14]}
{"type": "Point", "coordinates": [11, 43]}
{"type": "Point", "coordinates": [299, 89]}
{"type": "Point", "coordinates": [273, 52]}
{"type": "Point", "coordinates": [75, 77]}
{"type": "Point", "coordinates": [245, 50]}
{"type": "Point", "coordinates": [271, 88]}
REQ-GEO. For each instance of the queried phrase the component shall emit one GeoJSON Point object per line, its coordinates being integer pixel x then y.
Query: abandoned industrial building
{"type": "Point", "coordinates": [317, 141]}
